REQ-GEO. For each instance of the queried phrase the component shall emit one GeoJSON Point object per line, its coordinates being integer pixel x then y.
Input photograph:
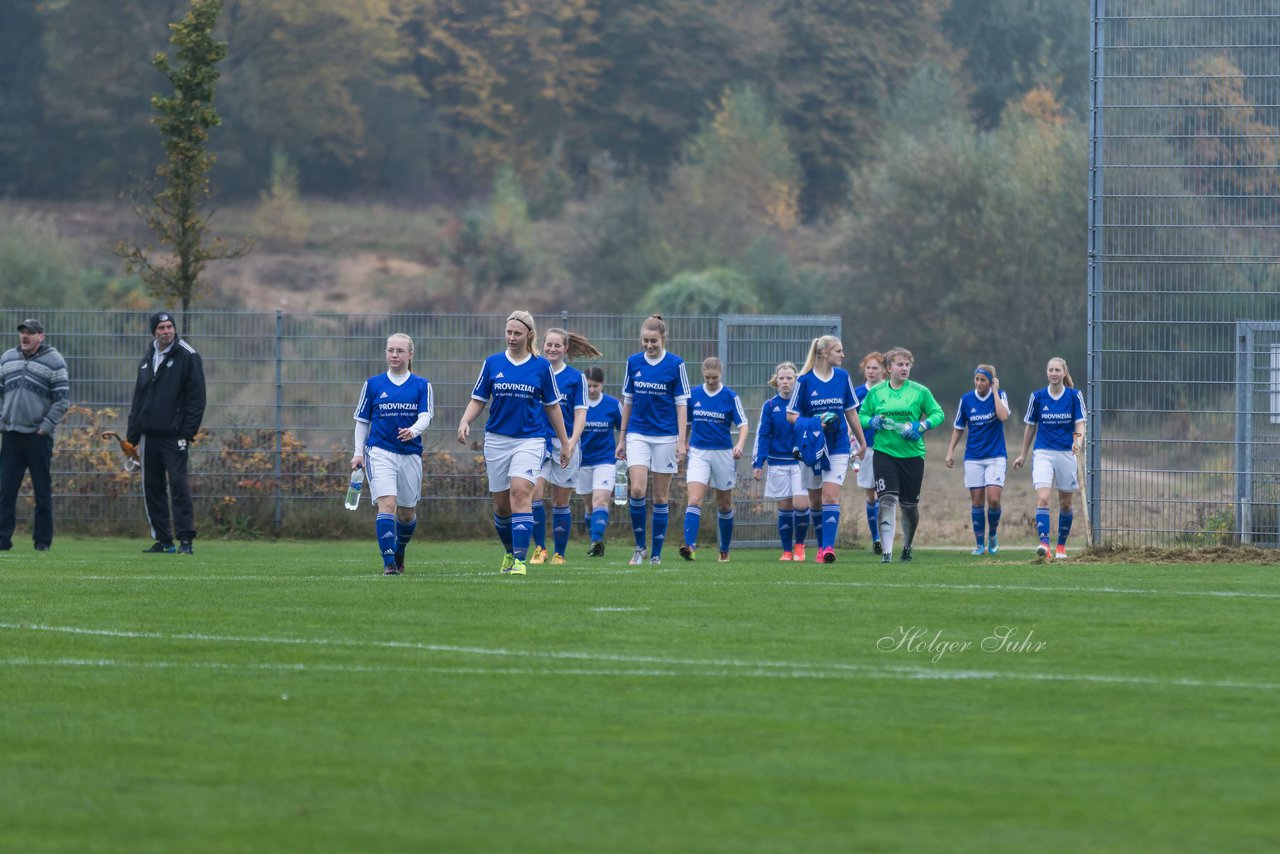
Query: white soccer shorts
{"type": "Point", "coordinates": [506, 457]}
{"type": "Point", "coordinates": [592, 478]}
{"type": "Point", "coordinates": [656, 453]}
{"type": "Point", "coordinates": [979, 474]}
{"type": "Point", "coordinates": [867, 474]}
{"type": "Point", "coordinates": [566, 476]}
{"type": "Point", "coordinates": [716, 468]}
{"type": "Point", "coordinates": [1054, 467]}
{"type": "Point", "coordinates": [783, 481]}
{"type": "Point", "coordinates": [394, 474]}
{"type": "Point", "coordinates": [839, 468]}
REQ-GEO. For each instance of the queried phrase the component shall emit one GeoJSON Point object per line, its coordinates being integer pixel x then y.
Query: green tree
{"type": "Point", "coordinates": [173, 209]}
{"type": "Point", "coordinates": [718, 290]}
{"type": "Point", "coordinates": [21, 67]}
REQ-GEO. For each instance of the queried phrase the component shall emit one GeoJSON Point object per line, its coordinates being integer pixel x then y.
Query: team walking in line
{"type": "Point", "coordinates": [550, 423]}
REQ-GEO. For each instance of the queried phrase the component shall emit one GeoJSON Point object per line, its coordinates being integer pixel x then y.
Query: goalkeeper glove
{"type": "Point", "coordinates": [877, 422]}
{"type": "Point", "coordinates": [914, 430]}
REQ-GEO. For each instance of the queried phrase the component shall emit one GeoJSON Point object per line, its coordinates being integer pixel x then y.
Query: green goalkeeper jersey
{"type": "Point", "coordinates": [912, 402]}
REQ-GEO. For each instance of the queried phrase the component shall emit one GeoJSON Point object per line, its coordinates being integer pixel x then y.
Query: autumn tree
{"type": "Point", "coordinates": [172, 205]}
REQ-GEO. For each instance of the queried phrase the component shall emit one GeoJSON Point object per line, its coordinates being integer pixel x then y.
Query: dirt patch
{"type": "Point", "coordinates": [1153, 555]}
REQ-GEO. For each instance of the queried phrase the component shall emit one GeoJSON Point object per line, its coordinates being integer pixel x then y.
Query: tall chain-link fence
{"type": "Point", "coordinates": [1184, 272]}
{"type": "Point", "coordinates": [276, 444]}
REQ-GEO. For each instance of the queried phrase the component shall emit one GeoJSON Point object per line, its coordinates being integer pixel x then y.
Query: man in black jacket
{"type": "Point", "coordinates": [168, 406]}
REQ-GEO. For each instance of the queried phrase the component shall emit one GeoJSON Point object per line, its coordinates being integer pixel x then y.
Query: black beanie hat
{"type": "Point", "coordinates": [158, 318]}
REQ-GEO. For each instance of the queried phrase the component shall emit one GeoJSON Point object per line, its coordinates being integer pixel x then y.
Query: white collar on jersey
{"type": "Point", "coordinates": [662, 354]}
{"type": "Point", "coordinates": [527, 357]}
{"type": "Point", "coordinates": [710, 393]}
{"type": "Point", "coordinates": [398, 380]}
{"type": "Point", "coordinates": [1049, 391]}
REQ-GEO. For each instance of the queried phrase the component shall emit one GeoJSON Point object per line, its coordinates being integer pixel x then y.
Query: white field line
{"type": "Point", "coordinates": [567, 579]}
{"type": "Point", "coordinates": [651, 665]}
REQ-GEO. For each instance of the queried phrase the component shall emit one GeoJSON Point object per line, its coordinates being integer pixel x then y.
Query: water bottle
{"type": "Point", "coordinates": [353, 491]}
{"type": "Point", "coordinates": [620, 484]}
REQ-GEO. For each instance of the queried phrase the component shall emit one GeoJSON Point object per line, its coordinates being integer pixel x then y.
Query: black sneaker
{"type": "Point", "coordinates": [597, 549]}
{"type": "Point", "coordinates": [160, 549]}
{"type": "Point", "coordinates": [905, 557]}
{"type": "Point", "coordinates": [184, 548]}
{"type": "Point", "coordinates": [391, 569]}
{"type": "Point", "coordinates": [42, 547]}
{"type": "Point", "coordinates": [877, 547]}
{"type": "Point", "coordinates": [885, 557]}
{"type": "Point", "coordinates": [5, 546]}
{"type": "Point", "coordinates": [399, 563]}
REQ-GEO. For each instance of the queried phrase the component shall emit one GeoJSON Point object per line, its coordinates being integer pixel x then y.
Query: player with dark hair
{"type": "Point", "coordinates": [982, 412]}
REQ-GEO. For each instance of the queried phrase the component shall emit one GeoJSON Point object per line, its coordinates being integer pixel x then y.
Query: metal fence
{"type": "Point", "coordinates": [276, 440]}
{"type": "Point", "coordinates": [1184, 272]}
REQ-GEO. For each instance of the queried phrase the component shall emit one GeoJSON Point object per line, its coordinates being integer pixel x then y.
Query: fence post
{"type": "Point", "coordinates": [279, 508]}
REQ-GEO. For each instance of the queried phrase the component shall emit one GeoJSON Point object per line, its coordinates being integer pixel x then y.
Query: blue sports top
{"type": "Point", "coordinates": [516, 394]}
{"type": "Point", "coordinates": [573, 396]}
{"type": "Point", "coordinates": [387, 405]}
{"type": "Point", "coordinates": [1055, 418]}
{"type": "Point", "coordinates": [711, 417]}
{"type": "Point", "coordinates": [869, 433]}
{"type": "Point", "coordinates": [598, 445]}
{"type": "Point", "coordinates": [654, 390]}
{"type": "Point", "coordinates": [775, 435]}
{"type": "Point", "coordinates": [813, 396]}
{"type": "Point", "coordinates": [986, 432]}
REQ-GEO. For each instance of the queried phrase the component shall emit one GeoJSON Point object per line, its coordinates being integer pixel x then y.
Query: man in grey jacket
{"type": "Point", "coordinates": [34, 395]}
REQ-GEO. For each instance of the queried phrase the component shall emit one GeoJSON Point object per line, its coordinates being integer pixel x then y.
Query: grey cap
{"type": "Point", "coordinates": [31, 325]}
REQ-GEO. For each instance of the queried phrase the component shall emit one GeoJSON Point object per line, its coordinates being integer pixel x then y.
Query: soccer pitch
{"type": "Point", "coordinates": [287, 697]}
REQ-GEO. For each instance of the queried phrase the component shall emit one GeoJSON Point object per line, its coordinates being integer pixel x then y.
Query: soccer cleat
{"type": "Point", "coordinates": [160, 549]}
{"type": "Point", "coordinates": [557, 560]}
{"type": "Point", "coordinates": [1042, 550]}
{"type": "Point", "coordinates": [655, 561]}
{"type": "Point", "coordinates": [597, 549]}
{"type": "Point", "coordinates": [508, 561]}
{"type": "Point", "coordinates": [1060, 553]}
{"type": "Point", "coordinates": [539, 556]}
{"type": "Point", "coordinates": [978, 551]}
{"type": "Point", "coordinates": [400, 562]}
{"type": "Point", "coordinates": [993, 546]}
{"type": "Point", "coordinates": [787, 557]}
{"type": "Point", "coordinates": [877, 547]}
{"type": "Point", "coordinates": [391, 569]}
{"type": "Point", "coordinates": [638, 556]}
{"type": "Point", "coordinates": [828, 555]}
{"type": "Point", "coordinates": [687, 552]}
{"type": "Point", "coordinates": [797, 553]}
{"type": "Point", "coordinates": [905, 557]}
{"type": "Point", "coordinates": [184, 548]}
{"type": "Point", "coordinates": [517, 568]}
{"type": "Point", "coordinates": [886, 557]}
{"type": "Point", "coordinates": [724, 558]}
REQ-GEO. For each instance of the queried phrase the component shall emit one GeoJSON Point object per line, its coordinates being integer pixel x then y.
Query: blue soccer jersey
{"type": "Point", "coordinates": [812, 397]}
{"type": "Point", "coordinates": [389, 404]}
{"type": "Point", "coordinates": [1055, 418]}
{"type": "Point", "coordinates": [867, 431]}
{"type": "Point", "coordinates": [516, 394]}
{"type": "Point", "coordinates": [573, 396]}
{"type": "Point", "coordinates": [775, 435]}
{"type": "Point", "coordinates": [604, 416]}
{"type": "Point", "coordinates": [712, 416]}
{"type": "Point", "coordinates": [986, 431]}
{"type": "Point", "coordinates": [654, 390]}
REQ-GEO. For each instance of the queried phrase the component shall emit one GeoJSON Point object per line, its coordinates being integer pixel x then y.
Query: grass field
{"type": "Point", "coordinates": [286, 697]}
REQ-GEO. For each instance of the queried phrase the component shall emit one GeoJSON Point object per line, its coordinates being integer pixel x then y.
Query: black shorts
{"type": "Point", "coordinates": [899, 476]}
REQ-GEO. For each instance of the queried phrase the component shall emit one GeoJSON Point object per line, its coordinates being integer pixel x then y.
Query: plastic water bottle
{"type": "Point", "coordinates": [353, 491]}
{"type": "Point", "coordinates": [620, 484]}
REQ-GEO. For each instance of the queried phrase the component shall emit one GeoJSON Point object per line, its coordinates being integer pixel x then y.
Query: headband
{"type": "Point", "coordinates": [521, 320]}
{"type": "Point", "coordinates": [985, 373]}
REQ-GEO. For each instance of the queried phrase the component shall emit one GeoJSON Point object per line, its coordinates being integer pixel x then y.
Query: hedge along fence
{"type": "Point", "coordinates": [273, 455]}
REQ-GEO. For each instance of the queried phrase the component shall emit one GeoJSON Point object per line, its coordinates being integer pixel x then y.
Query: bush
{"type": "Point", "coordinates": [718, 290]}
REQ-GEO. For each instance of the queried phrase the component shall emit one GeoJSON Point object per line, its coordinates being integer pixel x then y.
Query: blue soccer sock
{"type": "Point", "coordinates": [802, 525]}
{"type": "Point", "coordinates": [638, 508]}
{"type": "Point", "coordinates": [786, 528]}
{"type": "Point", "coordinates": [873, 520]}
{"type": "Point", "coordinates": [404, 533]}
{"type": "Point", "coordinates": [540, 525]}
{"type": "Point", "coordinates": [692, 521]}
{"type": "Point", "coordinates": [1064, 527]}
{"type": "Point", "coordinates": [725, 522]}
{"type": "Point", "coordinates": [830, 525]}
{"type": "Point", "coordinates": [384, 527]}
{"type": "Point", "coordinates": [599, 521]}
{"type": "Point", "coordinates": [993, 520]}
{"type": "Point", "coordinates": [659, 529]}
{"type": "Point", "coordinates": [502, 524]}
{"type": "Point", "coordinates": [561, 522]}
{"type": "Point", "coordinates": [979, 519]}
{"type": "Point", "coordinates": [1042, 523]}
{"type": "Point", "coordinates": [521, 532]}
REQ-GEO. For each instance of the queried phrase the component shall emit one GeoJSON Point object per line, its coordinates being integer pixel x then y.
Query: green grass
{"type": "Point", "coordinates": [286, 697]}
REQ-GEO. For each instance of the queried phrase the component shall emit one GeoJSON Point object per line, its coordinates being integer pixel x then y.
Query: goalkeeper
{"type": "Point", "coordinates": [901, 411]}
